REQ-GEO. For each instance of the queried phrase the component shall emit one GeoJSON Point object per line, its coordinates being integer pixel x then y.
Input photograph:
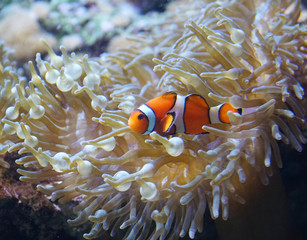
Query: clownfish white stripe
{"type": "Point", "coordinates": [150, 114]}
{"type": "Point", "coordinates": [177, 109]}
{"type": "Point", "coordinates": [214, 114]}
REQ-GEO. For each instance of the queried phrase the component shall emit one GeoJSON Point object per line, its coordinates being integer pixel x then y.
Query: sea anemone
{"type": "Point", "coordinates": [11, 81]}
{"type": "Point", "coordinates": [71, 119]}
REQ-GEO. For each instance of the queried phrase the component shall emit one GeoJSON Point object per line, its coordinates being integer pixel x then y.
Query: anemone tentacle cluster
{"type": "Point", "coordinates": [71, 119]}
{"type": "Point", "coordinates": [11, 81]}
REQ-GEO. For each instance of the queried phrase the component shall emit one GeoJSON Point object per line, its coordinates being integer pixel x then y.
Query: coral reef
{"type": "Point", "coordinates": [23, 33]}
{"type": "Point", "coordinates": [70, 120]}
{"type": "Point", "coordinates": [73, 24]}
{"type": "Point", "coordinates": [28, 214]}
{"type": "Point", "coordinates": [151, 5]}
{"type": "Point", "coordinates": [91, 20]}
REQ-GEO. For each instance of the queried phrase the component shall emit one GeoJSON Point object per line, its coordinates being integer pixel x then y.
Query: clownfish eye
{"type": "Point", "coordinates": [141, 116]}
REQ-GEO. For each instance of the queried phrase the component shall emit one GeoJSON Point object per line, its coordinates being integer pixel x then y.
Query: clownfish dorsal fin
{"type": "Point", "coordinates": [168, 122]}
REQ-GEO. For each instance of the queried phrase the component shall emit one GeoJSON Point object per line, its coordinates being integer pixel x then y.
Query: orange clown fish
{"type": "Point", "coordinates": [172, 113]}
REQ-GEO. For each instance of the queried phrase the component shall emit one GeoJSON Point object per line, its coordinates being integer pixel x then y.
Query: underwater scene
{"type": "Point", "coordinates": [153, 119]}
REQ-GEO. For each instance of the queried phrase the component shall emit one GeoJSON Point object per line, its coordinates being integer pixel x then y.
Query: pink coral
{"type": "Point", "coordinates": [21, 31]}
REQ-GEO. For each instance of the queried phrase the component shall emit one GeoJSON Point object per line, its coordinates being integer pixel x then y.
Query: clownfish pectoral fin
{"type": "Point", "coordinates": [168, 122]}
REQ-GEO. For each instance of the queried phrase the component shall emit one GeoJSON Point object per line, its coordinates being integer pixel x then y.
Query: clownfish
{"type": "Point", "coordinates": [171, 113]}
